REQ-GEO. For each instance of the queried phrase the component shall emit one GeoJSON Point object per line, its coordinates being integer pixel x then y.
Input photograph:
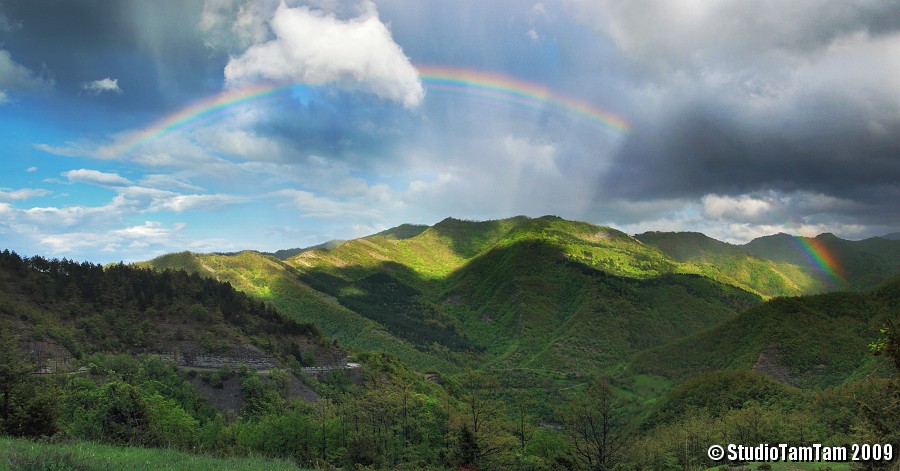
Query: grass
{"type": "Point", "coordinates": [21, 454]}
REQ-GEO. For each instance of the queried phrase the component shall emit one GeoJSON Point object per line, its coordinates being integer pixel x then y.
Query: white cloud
{"type": "Point", "coordinates": [168, 182]}
{"type": "Point", "coordinates": [245, 144]}
{"type": "Point", "coordinates": [366, 206]}
{"type": "Point", "coordinates": [500, 176]}
{"type": "Point", "coordinates": [138, 238]}
{"type": "Point", "coordinates": [103, 85]}
{"type": "Point", "coordinates": [737, 208]}
{"type": "Point", "coordinates": [315, 47]}
{"type": "Point", "coordinates": [31, 169]}
{"type": "Point", "coordinates": [70, 149]}
{"type": "Point", "coordinates": [96, 177]}
{"type": "Point", "coordinates": [741, 218]}
{"type": "Point", "coordinates": [184, 203]}
{"type": "Point", "coordinates": [22, 194]}
{"type": "Point", "coordinates": [533, 35]}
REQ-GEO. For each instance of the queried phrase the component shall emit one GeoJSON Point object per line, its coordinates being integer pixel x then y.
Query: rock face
{"type": "Point", "coordinates": [232, 358]}
{"type": "Point", "coordinates": [769, 363]}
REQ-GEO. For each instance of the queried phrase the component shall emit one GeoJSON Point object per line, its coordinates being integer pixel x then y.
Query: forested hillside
{"type": "Point", "coordinates": [493, 345]}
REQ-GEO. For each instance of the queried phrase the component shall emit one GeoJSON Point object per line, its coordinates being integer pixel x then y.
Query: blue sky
{"type": "Point", "coordinates": [745, 119]}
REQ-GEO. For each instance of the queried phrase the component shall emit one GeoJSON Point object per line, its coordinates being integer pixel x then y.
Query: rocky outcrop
{"type": "Point", "coordinates": [769, 363]}
{"type": "Point", "coordinates": [232, 358]}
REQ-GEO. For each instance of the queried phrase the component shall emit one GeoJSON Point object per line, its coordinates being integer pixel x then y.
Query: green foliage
{"type": "Point", "coordinates": [811, 341]}
{"type": "Point", "coordinates": [537, 306]}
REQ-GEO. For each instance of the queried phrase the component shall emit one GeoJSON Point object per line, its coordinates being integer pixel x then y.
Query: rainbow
{"type": "Point", "coordinates": [442, 79]}
{"type": "Point", "coordinates": [196, 113]}
{"type": "Point", "coordinates": [819, 255]}
{"type": "Point", "coordinates": [510, 90]}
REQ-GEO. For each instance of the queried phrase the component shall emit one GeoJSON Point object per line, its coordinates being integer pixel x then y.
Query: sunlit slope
{"type": "Point", "coordinates": [277, 283]}
{"type": "Point", "coordinates": [818, 340]}
{"type": "Point", "coordinates": [536, 294]}
{"type": "Point", "coordinates": [732, 264]}
{"type": "Point", "coordinates": [541, 293]}
{"type": "Point", "coordinates": [430, 254]}
{"type": "Point", "coordinates": [837, 263]}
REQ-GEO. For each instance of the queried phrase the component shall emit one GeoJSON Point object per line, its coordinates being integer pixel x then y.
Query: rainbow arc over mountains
{"type": "Point", "coordinates": [491, 86]}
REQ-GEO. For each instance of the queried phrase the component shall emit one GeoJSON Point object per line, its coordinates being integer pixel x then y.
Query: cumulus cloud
{"type": "Point", "coordinates": [315, 47]}
{"type": "Point", "coordinates": [104, 85]}
{"type": "Point", "coordinates": [95, 177]}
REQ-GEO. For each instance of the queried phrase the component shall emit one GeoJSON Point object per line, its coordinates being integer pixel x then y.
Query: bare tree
{"type": "Point", "coordinates": [598, 427]}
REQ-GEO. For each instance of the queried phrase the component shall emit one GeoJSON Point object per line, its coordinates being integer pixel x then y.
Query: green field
{"type": "Point", "coordinates": [21, 454]}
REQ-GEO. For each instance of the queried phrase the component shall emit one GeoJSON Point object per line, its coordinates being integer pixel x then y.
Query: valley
{"type": "Point", "coordinates": [483, 343]}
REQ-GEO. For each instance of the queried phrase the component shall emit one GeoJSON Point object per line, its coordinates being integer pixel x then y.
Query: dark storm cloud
{"type": "Point", "coordinates": [790, 97]}
{"type": "Point", "coordinates": [153, 48]}
{"type": "Point", "coordinates": [833, 148]}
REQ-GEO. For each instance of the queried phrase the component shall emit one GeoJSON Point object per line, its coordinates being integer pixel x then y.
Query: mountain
{"type": "Point", "coordinates": [810, 341]}
{"type": "Point", "coordinates": [782, 264]}
{"type": "Point", "coordinates": [544, 296]}
{"type": "Point", "coordinates": [892, 236]}
{"type": "Point", "coordinates": [65, 310]}
{"type": "Point", "coordinates": [288, 253]}
{"type": "Point", "coordinates": [531, 321]}
{"type": "Point", "coordinates": [837, 263]}
{"type": "Point", "coordinates": [533, 298]}
{"type": "Point", "coordinates": [733, 264]}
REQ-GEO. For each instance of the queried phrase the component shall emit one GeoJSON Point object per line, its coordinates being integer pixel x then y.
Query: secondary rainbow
{"type": "Point", "coordinates": [492, 86]}
{"type": "Point", "coordinates": [511, 90]}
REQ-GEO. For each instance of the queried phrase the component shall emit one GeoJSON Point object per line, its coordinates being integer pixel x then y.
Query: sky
{"type": "Point", "coordinates": [137, 128]}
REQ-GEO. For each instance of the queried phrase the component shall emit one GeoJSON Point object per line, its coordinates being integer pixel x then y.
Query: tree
{"type": "Point", "coordinates": [597, 427]}
{"type": "Point", "coordinates": [524, 420]}
{"type": "Point", "coordinates": [14, 370]}
{"type": "Point", "coordinates": [880, 405]}
{"type": "Point", "coordinates": [481, 429]}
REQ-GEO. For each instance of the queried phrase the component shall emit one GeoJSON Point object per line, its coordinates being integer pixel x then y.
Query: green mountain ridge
{"type": "Point", "coordinates": [70, 310]}
{"type": "Point", "coordinates": [530, 320]}
{"type": "Point", "coordinates": [543, 295]}
{"type": "Point", "coordinates": [811, 341]}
